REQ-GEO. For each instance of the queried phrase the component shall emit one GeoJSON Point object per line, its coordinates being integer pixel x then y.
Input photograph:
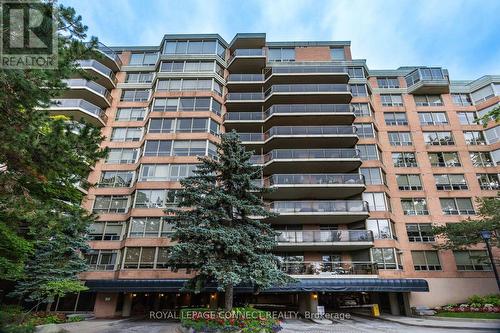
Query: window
{"type": "Point", "coordinates": [135, 95]}
{"type": "Point", "coordinates": [188, 85]}
{"type": "Point", "coordinates": [110, 204]}
{"type": "Point", "coordinates": [126, 134]}
{"type": "Point", "coordinates": [385, 258]}
{"type": "Point", "coordinates": [337, 53]}
{"type": "Point", "coordinates": [468, 118]}
{"type": "Point", "coordinates": [474, 138]}
{"type": "Point", "coordinates": [166, 172]}
{"type": "Point", "coordinates": [158, 148]}
{"type": "Point", "coordinates": [439, 138]}
{"type": "Point", "coordinates": [400, 138]}
{"type": "Point", "coordinates": [101, 260]}
{"type": "Point", "coordinates": [493, 135]}
{"type": "Point", "coordinates": [428, 100]}
{"type": "Point", "coordinates": [450, 182]}
{"type": "Point", "coordinates": [373, 176]}
{"type": "Point", "coordinates": [425, 261]}
{"type": "Point", "coordinates": [449, 159]}
{"type": "Point", "coordinates": [487, 110]}
{"type": "Point", "coordinates": [143, 59]}
{"type": "Point", "coordinates": [376, 201]}
{"type": "Point", "coordinates": [154, 198]}
{"type": "Point", "coordinates": [414, 206]}
{"type": "Point", "coordinates": [433, 118]}
{"type": "Point", "coordinates": [475, 260]}
{"type": "Point", "coordinates": [391, 99]}
{"type": "Point", "coordinates": [108, 231]}
{"type": "Point", "coordinates": [190, 66]}
{"type": "Point", "coordinates": [194, 47]}
{"type": "Point", "coordinates": [419, 232]}
{"type": "Point", "coordinates": [189, 148]}
{"type": "Point", "coordinates": [139, 257]}
{"type": "Point", "coordinates": [404, 160]}
{"type": "Point", "coordinates": [421, 74]}
{"type": "Point", "coordinates": [139, 77]}
{"type": "Point", "coordinates": [149, 227]}
{"type": "Point", "coordinates": [368, 152]}
{"type": "Point", "coordinates": [161, 125]}
{"type": "Point", "coordinates": [395, 118]}
{"type": "Point", "coordinates": [116, 179]}
{"type": "Point", "coordinates": [122, 156]}
{"type": "Point", "coordinates": [359, 90]}
{"type": "Point", "coordinates": [457, 206]}
{"type": "Point", "coordinates": [481, 159]}
{"type": "Point", "coordinates": [381, 228]}
{"type": "Point", "coordinates": [488, 181]}
{"type": "Point", "coordinates": [483, 94]}
{"type": "Point", "coordinates": [281, 54]}
{"type": "Point", "coordinates": [461, 99]}
{"type": "Point", "coordinates": [409, 182]}
{"type": "Point", "coordinates": [186, 104]}
{"type": "Point", "coordinates": [388, 82]}
{"type": "Point", "coordinates": [356, 72]}
{"type": "Point", "coordinates": [361, 109]}
{"type": "Point", "coordinates": [191, 125]}
{"type": "Point", "coordinates": [365, 130]}
{"type": "Point", "coordinates": [130, 114]}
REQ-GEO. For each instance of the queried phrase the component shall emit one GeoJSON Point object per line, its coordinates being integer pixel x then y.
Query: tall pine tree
{"type": "Point", "coordinates": [216, 227]}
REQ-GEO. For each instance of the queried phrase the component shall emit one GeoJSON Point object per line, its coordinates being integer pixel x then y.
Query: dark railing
{"type": "Point", "coordinates": [319, 87]}
{"type": "Point", "coordinates": [245, 96]}
{"type": "Point", "coordinates": [246, 53]}
{"type": "Point", "coordinates": [245, 77]}
{"type": "Point", "coordinates": [327, 153]}
{"type": "Point", "coordinates": [324, 236]}
{"type": "Point", "coordinates": [316, 179]}
{"type": "Point", "coordinates": [304, 69]}
{"type": "Point", "coordinates": [322, 268]}
{"type": "Point", "coordinates": [319, 206]}
{"type": "Point", "coordinates": [289, 109]}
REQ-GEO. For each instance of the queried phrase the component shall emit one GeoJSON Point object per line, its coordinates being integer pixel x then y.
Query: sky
{"type": "Point", "coordinates": [462, 36]}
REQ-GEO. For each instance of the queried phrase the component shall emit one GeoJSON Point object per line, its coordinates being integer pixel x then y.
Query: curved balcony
{"type": "Point", "coordinates": [110, 58]}
{"type": "Point", "coordinates": [319, 211]}
{"type": "Point", "coordinates": [308, 93]}
{"type": "Point", "coordinates": [88, 90]}
{"type": "Point", "coordinates": [79, 109]}
{"type": "Point", "coordinates": [332, 240]}
{"type": "Point", "coordinates": [301, 137]}
{"type": "Point", "coordinates": [428, 81]}
{"type": "Point", "coordinates": [103, 75]}
{"type": "Point", "coordinates": [247, 60]}
{"type": "Point", "coordinates": [306, 73]}
{"type": "Point", "coordinates": [309, 160]}
{"type": "Point", "coordinates": [319, 186]}
{"type": "Point", "coordinates": [326, 269]}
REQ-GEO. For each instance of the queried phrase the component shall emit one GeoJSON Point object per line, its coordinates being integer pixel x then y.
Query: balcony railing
{"type": "Point", "coordinates": [305, 69]}
{"type": "Point", "coordinates": [99, 67]}
{"type": "Point", "coordinates": [325, 236]}
{"type": "Point", "coordinates": [246, 53]}
{"type": "Point", "coordinates": [322, 268]}
{"type": "Point", "coordinates": [245, 77]}
{"type": "Point", "coordinates": [314, 179]}
{"type": "Point", "coordinates": [298, 131]}
{"type": "Point", "coordinates": [426, 74]}
{"type": "Point", "coordinates": [80, 104]}
{"type": "Point", "coordinates": [109, 53]}
{"type": "Point", "coordinates": [319, 206]}
{"type": "Point", "coordinates": [289, 109]}
{"type": "Point", "coordinates": [76, 83]}
{"type": "Point", "coordinates": [245, 96]}
{"type": "Point", "coordinates": [306, 88]}
{"type": "Point", "coordinates": [101, 267]}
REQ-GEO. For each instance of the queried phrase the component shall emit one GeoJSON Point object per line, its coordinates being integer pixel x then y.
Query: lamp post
{"type": "Point", "coordinates": [486, 236]}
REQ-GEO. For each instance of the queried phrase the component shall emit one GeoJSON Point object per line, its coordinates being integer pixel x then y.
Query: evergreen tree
{"type": "Point", "coordinates": [42, 157]}
{"type": "Point", "coordinates": [216, 224]}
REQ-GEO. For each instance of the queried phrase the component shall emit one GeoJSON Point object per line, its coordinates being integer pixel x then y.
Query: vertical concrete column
{"type": "Point", "coordinates": [127, 305]}
{"type": "Point", "coordinates": [406, 302]}
{"type": "Point", "coordinates": [308, 302]}
{"type": "Point", "coordinates": [393, 301]}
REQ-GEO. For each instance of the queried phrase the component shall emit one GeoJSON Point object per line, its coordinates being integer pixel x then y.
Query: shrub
{"type": "Point", "coordinates": [75, 319]}
{"type": "Point", "coordinates": [493, 299]}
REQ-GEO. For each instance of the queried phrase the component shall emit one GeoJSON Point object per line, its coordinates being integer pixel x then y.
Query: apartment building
{"type": "Point", "coordinates": [362, 163]}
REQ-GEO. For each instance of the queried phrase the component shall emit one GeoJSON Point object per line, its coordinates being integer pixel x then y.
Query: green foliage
{"type": "Point", "coordinates": [215, 225]}
{"type": "Point", "coordinates": [42, 225]}
{"type": "Point", "coordinates": [465, 233]}
{"type": "Point", "coordinates": [492, 115]}
{"type": "Point", "coordinates": [476, 315]}
{"type": "Point", "coordinates": [493, 299]}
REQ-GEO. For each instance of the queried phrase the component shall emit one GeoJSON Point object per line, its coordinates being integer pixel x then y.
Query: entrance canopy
{"type": "Point", "coordinates": [303, 285]}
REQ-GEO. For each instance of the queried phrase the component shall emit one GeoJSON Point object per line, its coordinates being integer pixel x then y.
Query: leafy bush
{"type": "Point", "coordinates": [75, 319]}
{"type": "Point", "coordinates": [478, 301]}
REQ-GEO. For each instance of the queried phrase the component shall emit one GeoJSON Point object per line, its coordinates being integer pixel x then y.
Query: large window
{"type": "Point", "coordinates": [139, 77]}
{"type": "Point", "coordinates": [183, 125]}
{"type": "Point", "coordinates": [130, 114]}
{"type": "Point", "coordinates": [419, 232]}
{"type": "Point", "coordinates": [461, 99]}
{"type": "Point", "coordinates": [116, 179]}
{"type": "Point", "coordinates": [395, 118]}
{"type": "Point", "coordinates": [433, 118]}
{"type": "Point", "coordinates": [373, 176]}
{"type": "Point", "coordinates": [158, 148]}
{"type": "Point", "coordinates": [376, 201]}
{"type": "Point", "coordinates": [409, 182]}
{"type": "Point", "coordinates": [154, 198]}
{"type": "Point", "coordinates": [356, 72]}
{"type": "Point", "coordinates": [404, 160]}
{"type": "Point", "coordinates": [368, 152]}
{"type": "Point", "coordinates": [391, 99]}
{"type": "Point", "coordinates": [166, 172]}
{"type": "Point", "coordinates": [385, 258]}
{"type": "Point", "coordinates": [414, 206]}
{"type": "Point", "coordinates": [483, 94]}
{"type": "Point", "coordinates": [186, 104]}
{"type": "Point", "coordinates": [101, 260]}
{"type": "Point", "coordinates": [337, 53]}
{"type": "Point", "coordinates": [122, 156]}
{"type": "Point", "coordinates": [365, 130]}
{"type": "Point", "coordinates": [126, 134]}
{"type": "Point", "coordinates": [388, 82]}
{"type": "Point", "coordinates": [139, 257]}
{"type": "Point", "coordinates": [468, 118]}
{"type": "Point", "coordinates": [135, 95]}
{"type": "Point", "coordinates": [457, 206]}
{"type": "Point", "coordinates": [361, 109]}
{"type": "Point", "coordinates": [191, 67]}
{"type": "Point", "coordinates": [481, 159]}
{"type": "Point", "coordinates": [143, 59]}
{"type": "Point", "coordinates": [441, 159]}
{"type": "Point", "coordinates": [450, 182]}
{"type": "Point", "coordinates": [108, 231]}
{"type": "Point", "coordinates": [191, 125]}
{"type": "Point", "coordinates": [194, 47]}
{"type": "Point", "coordinates": [439, 138]}
{"type": "Point", "coordinates": [400, 138]}
{"type": "Point", "coordinates": [110, 204]}
{"type": "Point", "coordinates": [474, 138]}
{"type": "Point", "coordinates": [428, 100]}
{"type": "Point", "coordinates": [425, 261]}
{"type": "Point", "coordinates": [381, 228]}
{"type": "Point", "coordinates": [359, 90]}
{"type": "Point", "coordinates": [475, 260]}
{"type": "Point", "coordinates": [488, 181]}
{"type": "Point", "coordinates": [189, 85]}
{"type": "Point", "coordinates": [281, 54]}
{"type": "Point", "coordinates": [152, 227]}
{"type": "Point", "coordinates": [492, 135]}
{"type": "Point", "coordinates": [179, 148]}
{"type": "Point", "coordinates": [161, 125]}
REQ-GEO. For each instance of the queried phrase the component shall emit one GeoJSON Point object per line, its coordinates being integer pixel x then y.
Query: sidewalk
{"type": "Point", "coordinates": [484, 324]}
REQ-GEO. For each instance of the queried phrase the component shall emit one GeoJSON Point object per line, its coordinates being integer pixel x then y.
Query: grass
{"type": "Point", "coordinates": [477, 315]}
